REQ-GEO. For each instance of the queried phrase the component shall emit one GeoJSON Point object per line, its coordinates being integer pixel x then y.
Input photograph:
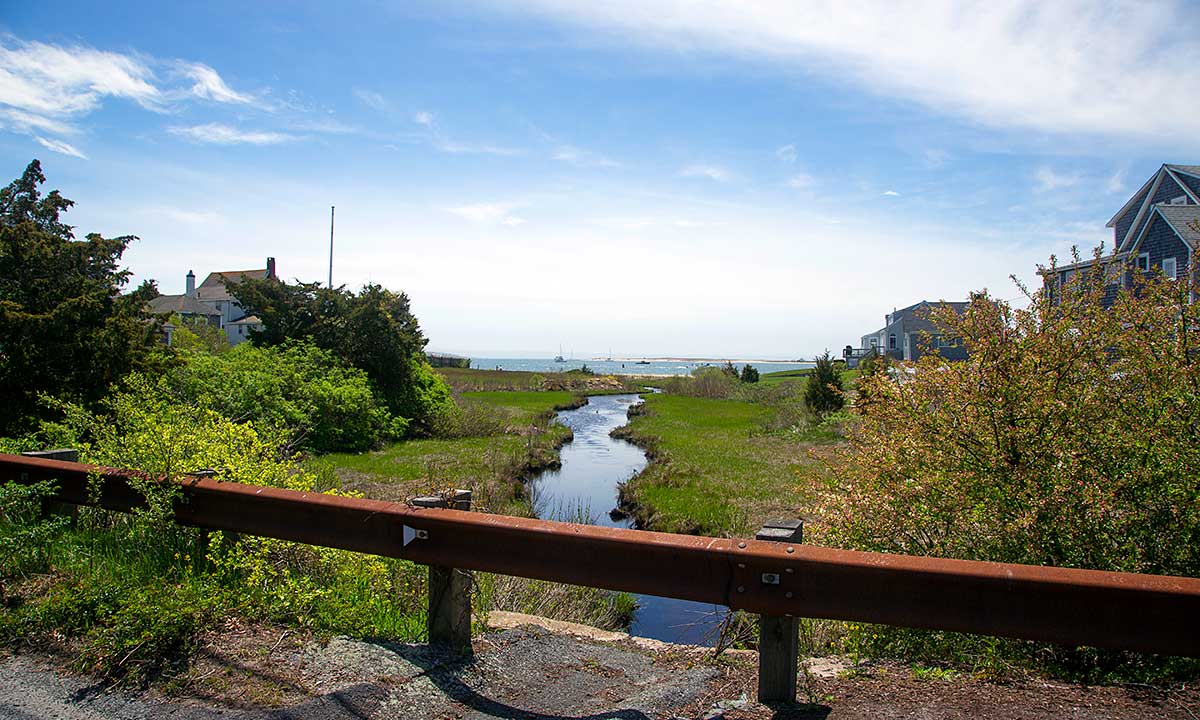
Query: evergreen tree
{"type": "Point", "coordinates": [823, 393]}
{"type": "Point", "coordinates": [749, 374]}
{"type": "Point", "coordinates": [66, 329]}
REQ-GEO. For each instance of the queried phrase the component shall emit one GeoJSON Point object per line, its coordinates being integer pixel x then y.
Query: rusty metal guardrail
{"type": "Point", "coordinates": [1147, 613]}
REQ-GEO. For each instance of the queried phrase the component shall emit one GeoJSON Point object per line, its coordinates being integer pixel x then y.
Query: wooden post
{"type": "Point", "coordinates": [778, 635]}
{"type": "Point", "coordinates": [53, 507]}
{"type": "Point", "coordinates": [449, 617]}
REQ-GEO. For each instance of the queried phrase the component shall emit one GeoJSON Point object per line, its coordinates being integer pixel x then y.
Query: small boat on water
{"type": "Point", "coordinates": [559, 357]}
{"type": "Point", "coordinates": [643, 361]}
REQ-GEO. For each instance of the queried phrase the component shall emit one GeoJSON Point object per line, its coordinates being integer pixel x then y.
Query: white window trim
{"type": "Point", "coordinates": [1146, 267]}
{"type": "Point", "coordinates": [1181, 200]}
{"type": "Point", "coordinates": [1174, 271]}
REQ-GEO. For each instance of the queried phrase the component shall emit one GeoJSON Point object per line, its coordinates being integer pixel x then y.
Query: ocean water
{"type": "Point", "coordinates": [656, 366]}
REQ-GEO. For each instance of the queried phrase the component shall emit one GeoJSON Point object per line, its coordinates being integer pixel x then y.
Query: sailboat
{"type": "Point", "coordinates": [559, 357]}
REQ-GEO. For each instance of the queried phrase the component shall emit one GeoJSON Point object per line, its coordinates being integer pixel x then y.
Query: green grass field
{"type": "Point", "coordinates": [715, 468]}
{"type": "Point", "coordinates": [491, 465]}
{"type": "Point", "coordinates": [782, 376]}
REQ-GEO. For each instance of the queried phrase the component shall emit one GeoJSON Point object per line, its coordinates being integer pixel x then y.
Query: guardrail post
{"type": "Point", "coordinates": [778, 635]}
{"type": "Point", "coordinates": [448, 620]}
{"type": "Point", "coordinates": [53, 507]}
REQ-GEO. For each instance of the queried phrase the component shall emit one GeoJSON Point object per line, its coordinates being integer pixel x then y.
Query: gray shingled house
{"type": "Point", "coordinates": [1155, 231]}
{"type": "Point", "coordinates": [907, 334]}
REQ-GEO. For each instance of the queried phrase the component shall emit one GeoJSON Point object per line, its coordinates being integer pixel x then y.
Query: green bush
{"type": "Point", "coordinates": [136, 589]}
{"type": "Point", "coordinates": [325, 405]}
{"type": "Point", "coordinates": [26, 531]}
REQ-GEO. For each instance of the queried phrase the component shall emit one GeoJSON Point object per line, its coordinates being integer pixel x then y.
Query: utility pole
{"type": "Point", "coordinates": [330, 286]}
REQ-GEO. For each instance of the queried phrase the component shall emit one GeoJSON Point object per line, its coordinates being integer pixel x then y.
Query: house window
{"type": "Point", "coordinates": [892, 341]}
{"type": "Point", "coordinates": [1143, 262]}
{"type": "Point", "coordinates": [1181, 200]}
{"type": "Point", "coordinates": [1168, 268]}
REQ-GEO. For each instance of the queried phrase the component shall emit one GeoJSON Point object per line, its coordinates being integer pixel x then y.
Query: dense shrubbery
{"type": "Point", "coordinates": [373, 330]}
{"type": "Point", "coordinates": [136, 589]}
{"type": "Point", "coordinates": [1071, 437]}
{"type": "Point", "coordinates": [324, 405]}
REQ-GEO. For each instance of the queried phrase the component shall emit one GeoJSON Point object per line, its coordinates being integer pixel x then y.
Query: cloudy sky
{"type": "Point", "coordinates": [651, 177]}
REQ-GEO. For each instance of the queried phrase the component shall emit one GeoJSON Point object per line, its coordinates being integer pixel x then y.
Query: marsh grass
{"type": "Point", "coordinates": [717, 466]}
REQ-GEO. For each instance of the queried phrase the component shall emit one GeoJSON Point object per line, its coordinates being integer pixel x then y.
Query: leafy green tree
{"type": "Point", "coordinates": [823, 393]}
{"type": "Point", "coordinates": [66, 329]}
{"type": "Point", "coordinates": [373, 330]}
{"type": "Point", "coordinates": [749, 374]}
{"type": "Point", "coordinates": [729, 369]}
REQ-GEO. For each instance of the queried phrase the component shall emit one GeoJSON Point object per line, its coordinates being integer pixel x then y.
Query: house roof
{"type": "Point", "coordinates": [248, 320]}
{"type": "Point", "coordinates": [214, 286]}
{"type": "Point", "coordinates": [957, 305]}
{"type": "Point", "coordinates": [1183, 219]}
{"type": "Point", "coordinates": [1189, 169]}
{"type": "Point", "coordinates": [182, 304]}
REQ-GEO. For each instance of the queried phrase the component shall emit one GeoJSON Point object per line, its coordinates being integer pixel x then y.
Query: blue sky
{"type": "Point", "coordinates": [653, 177]}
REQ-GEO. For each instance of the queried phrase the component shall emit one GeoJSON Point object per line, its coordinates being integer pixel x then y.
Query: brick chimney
{"type": "Point", "coordinates": [191, 284]}
{"type": "Point", "coordinates": [270, 267]}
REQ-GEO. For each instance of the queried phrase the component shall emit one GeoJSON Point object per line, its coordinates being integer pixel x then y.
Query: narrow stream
{"type": "Point", "coordinates": [585, 490]}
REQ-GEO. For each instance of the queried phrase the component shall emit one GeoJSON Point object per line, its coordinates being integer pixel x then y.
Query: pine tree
{"type": "Point", "coordinates": [823, 394]}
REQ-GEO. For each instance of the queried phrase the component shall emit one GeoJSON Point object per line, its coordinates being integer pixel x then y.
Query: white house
{"type": "Point", "coordinates": [214, 304]}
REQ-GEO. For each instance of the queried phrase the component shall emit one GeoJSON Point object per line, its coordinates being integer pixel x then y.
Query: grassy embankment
{"type": "Point", "coordinates": [502, 438]}
{"type": "Point", "coordinates": [724, 465]}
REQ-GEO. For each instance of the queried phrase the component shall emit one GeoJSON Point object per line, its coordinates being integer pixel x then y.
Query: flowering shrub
{"type": "Point", "coordinates": [1070, 437]}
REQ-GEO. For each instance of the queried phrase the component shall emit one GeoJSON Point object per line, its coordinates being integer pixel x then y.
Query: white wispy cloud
{"type": "Point", "coordinates": [220, 134]}
{"type": "Point", "coordinates": [583, 158]}
{"type": "Point", "coordinates": [801, 181]}
{"type": "Point", "coordinates": [1047, 178]}
{"type": "Point", "coordinates": [46, 88]}
{"type": "Point", "coordinates": [496, 213]}
{"type": "Point", "coordinates": [1067, 66]}
{"type": "Point", "coordinates": [711, 172]}
{"type": "Point", "coordinates": [460, 148]}
{"type": "Point", "coordinates": [787, 153]}
{"type": "Point", "coordinates": [209, 85]}
{"type": "Point", "coordinates": [372, 99]}
{"type": "Point", "coordinates": [59, 146]}
{"type": "Point", "coordinates": [54, 81]}
{"type": "Point", "coordinates": [1116, 182]}
{"type": "Point", "coordinates": [423, 118]}
{"type": "Point", "coordinates": [24, 122]}
{"type": "Point", "coordinates": [891, 193]}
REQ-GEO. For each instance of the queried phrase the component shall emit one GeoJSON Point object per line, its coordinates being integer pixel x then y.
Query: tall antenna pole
{"type": "Point", "coordinates": [330, 247]}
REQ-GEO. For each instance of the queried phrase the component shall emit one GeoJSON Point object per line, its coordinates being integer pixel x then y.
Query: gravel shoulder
{"type": "Point", "coordinates": [528, 671]}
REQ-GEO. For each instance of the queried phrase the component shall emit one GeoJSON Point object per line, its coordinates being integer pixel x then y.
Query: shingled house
{"type": "Point", "coordinates": [907, 334]}
{"type": "Point", "coordinates": [1157, 230]}
{"type": "Point", "coordinates": [212, 302]}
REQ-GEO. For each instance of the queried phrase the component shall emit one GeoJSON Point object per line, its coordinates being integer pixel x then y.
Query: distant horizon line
{"type": "Point", "coordinates": [614, 358]}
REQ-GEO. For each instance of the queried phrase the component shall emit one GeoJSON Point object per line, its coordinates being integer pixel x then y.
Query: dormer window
{"type": "Point", "coordinates": [1143, 262]}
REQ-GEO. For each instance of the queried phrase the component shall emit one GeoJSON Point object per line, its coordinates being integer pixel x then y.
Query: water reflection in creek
{"type": "Point", "coordinates": [585, 490]}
